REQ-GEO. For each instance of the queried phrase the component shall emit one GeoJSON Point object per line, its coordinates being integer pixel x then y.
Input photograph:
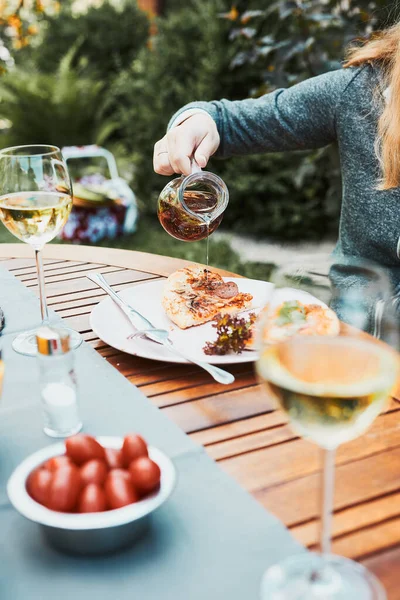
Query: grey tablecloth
{"type": "Point", "coordinates": [210, 540]}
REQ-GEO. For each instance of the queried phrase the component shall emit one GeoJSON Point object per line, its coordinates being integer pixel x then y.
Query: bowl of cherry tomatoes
{"type": "Point", "coordinates": [92, 495]}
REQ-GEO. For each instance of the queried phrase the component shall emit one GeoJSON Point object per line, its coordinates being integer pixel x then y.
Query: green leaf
{"type": "Point", "coordinates": [291, 312]}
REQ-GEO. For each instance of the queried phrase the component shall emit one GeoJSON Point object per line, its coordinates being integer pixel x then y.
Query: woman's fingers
{"type": "Point", "coordinates": [161, 162]}
{"type": "Point", "coordinates": [181, 144]}
{"type": "Point", "coordinates": [196, 137]}
{"type": "Point", "coordinates": [205, 149]}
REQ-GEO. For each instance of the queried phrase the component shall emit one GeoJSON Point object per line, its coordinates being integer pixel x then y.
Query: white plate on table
{"type": "Point", "coordinates": [110, 324]}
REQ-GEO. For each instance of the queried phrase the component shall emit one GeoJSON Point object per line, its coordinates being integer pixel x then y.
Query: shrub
{"type": "Point", "coordinates": [61, 109]}
{"type": "Point", "coordinates": [289, 40]}
{"type": "Point", "coordinates": [108, 36]}
{"type": "Point", "coordinates": [272, 196]}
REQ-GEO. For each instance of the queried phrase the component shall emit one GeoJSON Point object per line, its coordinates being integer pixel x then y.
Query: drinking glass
{"type": "Point", "coordinates": [332, 381]}
{"type": "Point", "coordinates": [35, 202]}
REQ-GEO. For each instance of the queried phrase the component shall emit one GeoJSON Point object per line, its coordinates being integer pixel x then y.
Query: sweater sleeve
{"type": "Point", "coordinates": [298, 118]}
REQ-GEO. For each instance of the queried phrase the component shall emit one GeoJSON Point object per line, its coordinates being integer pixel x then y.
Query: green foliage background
{"type": "Point", "coordinates": [107, 39]}
{"type": "Point", "coordinates": [49, 107]}
{"type": "Point", "coordinates": [99, 78]}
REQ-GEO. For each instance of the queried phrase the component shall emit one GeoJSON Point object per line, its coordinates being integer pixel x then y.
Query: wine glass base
{"type": "Point", "coordinates": [25, 343]}
{"type": "Point", "coordinates": [301, 578]}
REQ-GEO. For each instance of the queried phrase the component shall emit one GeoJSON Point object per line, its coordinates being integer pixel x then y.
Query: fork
{"type": "Point", "coordinates": [160, 336]}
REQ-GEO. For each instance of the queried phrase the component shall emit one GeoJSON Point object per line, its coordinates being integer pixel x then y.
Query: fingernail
{"type": "Point", "coordinates": [201, 160]}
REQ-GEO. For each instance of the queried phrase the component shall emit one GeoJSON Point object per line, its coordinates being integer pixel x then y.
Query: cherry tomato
{"type": "Point", "coordinates": [133, 447]}
{"type": "Point", "coordinates": [38, 485]}
{"type": "Point", "coordinates": [124, 473]}
{"type": "Point", "coordinates": [114, 458]}
{"type": "Point", "coordinates": [145, 474]}
{"type": "Point", "coordinates": [94, 471]}
{"type": "Point", "coordinates": [119, 491]}
{"type": "Point", "coordinates": [64, 489]}
{"type": "Point", "coordinates": [56, 462]}
{"type": "Point", "coordinates": [92, 499]}
{"type": "Point", "coordinates": [81, 448]}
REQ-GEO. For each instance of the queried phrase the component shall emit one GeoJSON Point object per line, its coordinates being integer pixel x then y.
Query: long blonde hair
{"type": "Point", "coordinates": [384, 49]}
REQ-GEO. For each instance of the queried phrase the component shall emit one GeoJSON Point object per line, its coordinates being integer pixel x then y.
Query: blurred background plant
{"type": "Point", "coordinates": [107, 37]}
{"type": "Point", "coordinates": [64, 106]}
{"type": "Point", "coordinates": [108, 71]}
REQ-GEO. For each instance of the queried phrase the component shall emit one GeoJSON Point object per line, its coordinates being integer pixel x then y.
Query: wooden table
{"type": "Point", "coordinates": [237, 424]}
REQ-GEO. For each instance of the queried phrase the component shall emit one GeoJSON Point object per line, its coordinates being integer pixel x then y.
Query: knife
{"type": "Point", "coordinates": [145, 327]}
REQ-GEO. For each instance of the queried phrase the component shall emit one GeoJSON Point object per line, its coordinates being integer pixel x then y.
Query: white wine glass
{"type": "Point", "coordinates": [35, 202]}
{"type": "Point", "coordinates": [328, 343]}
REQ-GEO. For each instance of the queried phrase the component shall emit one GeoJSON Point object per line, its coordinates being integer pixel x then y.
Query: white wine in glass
{"type": "Point", "coordinates": [35, 202]}
{"type": "Point", "coordinates": [332, 388]}
{"type": "Point", "coordinates": [35, 218]}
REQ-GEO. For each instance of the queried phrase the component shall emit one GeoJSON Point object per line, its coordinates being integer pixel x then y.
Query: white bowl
{"type": "Point", "coordinates": [90, 533]}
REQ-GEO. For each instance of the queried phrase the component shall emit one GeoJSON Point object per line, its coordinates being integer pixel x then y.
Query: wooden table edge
{"type": "Point", "coordinates": [156, 264]}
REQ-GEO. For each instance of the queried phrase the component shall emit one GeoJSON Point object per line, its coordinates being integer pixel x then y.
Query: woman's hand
{"type": "Point", "coordinates": [197, 137]}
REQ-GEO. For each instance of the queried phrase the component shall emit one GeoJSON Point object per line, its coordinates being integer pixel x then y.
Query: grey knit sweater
{"type": "Point", "coordinates": [341, 106]}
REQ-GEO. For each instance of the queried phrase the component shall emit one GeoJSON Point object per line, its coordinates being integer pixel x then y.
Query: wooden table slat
{"type": "Point", "coordinates": [54, 278]}
{"type": "Point", "coordinates": [61, 272]}
{"type": "Point", "coordinates": [237, 429]}
{"type": "Point", "coordinates": [14, 265]}
{"type": "Point", "coordinates": [386, 567]}
{"type": "Point", "coordinates": [192, 388]}
{"type": "Point", "coordinates": [262, 439]}
{"type": "Point", "coordinates": [357, 482]}
{"type": "Point", "coordinates": [83, 283]}
{"type": "Point", "coordinates": [300, 458]}
{"type": "Point", "coordinates": [362, 515]}
{"type": "Point", "coordinates": [93, 296]}
{"type": "Point", "coordinates": [226, 407]}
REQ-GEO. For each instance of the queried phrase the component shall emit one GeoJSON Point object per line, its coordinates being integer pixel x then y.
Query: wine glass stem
{"type": "Point", "coordinates": [328, 484]}
{"type": "Point", "coordinates": [42, 291]}
{"type": "Point", "coordinates": [322, 575]}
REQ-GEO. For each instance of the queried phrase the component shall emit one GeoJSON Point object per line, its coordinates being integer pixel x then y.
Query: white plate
{"type": "Point", "coordinates": [111, 325]}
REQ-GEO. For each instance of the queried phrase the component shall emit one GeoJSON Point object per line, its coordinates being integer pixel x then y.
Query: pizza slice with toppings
{"type": "Point", "coordinates": [195, 295]}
